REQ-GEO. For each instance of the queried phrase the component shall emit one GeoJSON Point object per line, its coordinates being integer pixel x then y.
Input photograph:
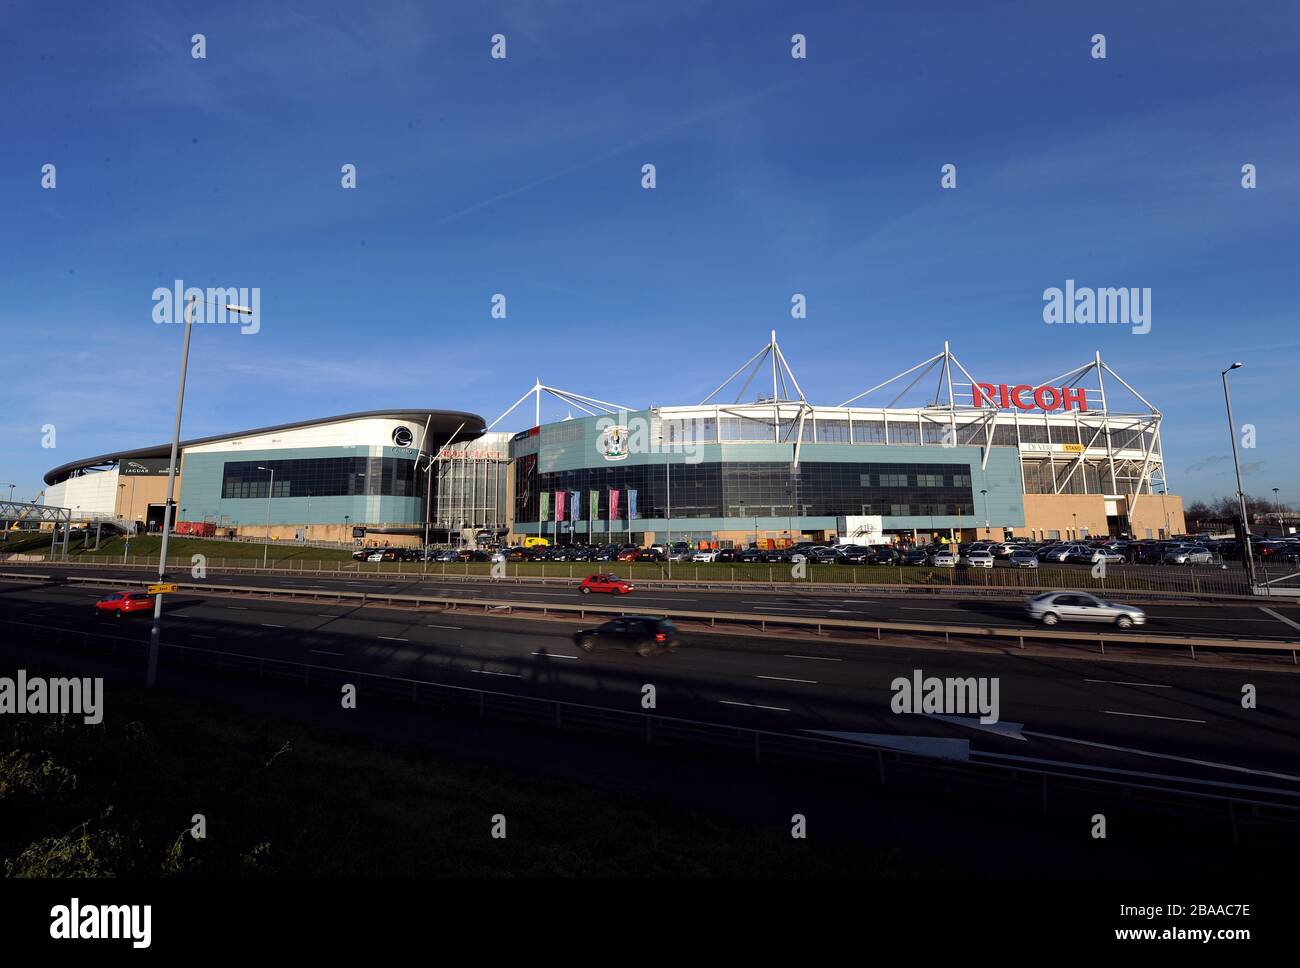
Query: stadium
{"type": "Point", "coordinates": [1058, 458]}
{"type": "Point", "coordinates": [1054, 459]}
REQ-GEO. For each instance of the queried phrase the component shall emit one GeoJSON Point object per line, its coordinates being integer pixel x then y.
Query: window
{"type": "Point", "coordinates": [832, 431]}
{"type": "Point", "coordinates": [868, 431]}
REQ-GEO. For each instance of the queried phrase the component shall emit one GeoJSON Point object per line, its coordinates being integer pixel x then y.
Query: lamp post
{"type": "Point", "coordinates": [306, 534]}
{"type": "Point", "coordinates": [984, 493]}
{"type": "Point", "coordinates": [11, 501]}
{"type": "Point", "coordinates": [154, 634]}
{"type": "Point", "coordinates": [1277, 503]}
{"type": "Point", "coordinates": [1164, 510]}
{"type": "Point", "coordinates": [1246, 555]}
{"type": "Point", "coordinates": [266, 544]}
{"type": "Point", "coordinates": [1076, 524]}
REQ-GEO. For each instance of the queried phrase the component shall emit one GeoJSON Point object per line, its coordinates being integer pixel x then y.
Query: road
{"type": "Point", "coordinates": [1267, 620]}
{"type": "Point", "coordinates": [1151, 718]}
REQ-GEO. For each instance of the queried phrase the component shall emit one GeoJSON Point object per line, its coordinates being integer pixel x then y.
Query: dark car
{"type": "Point", "coordinates": [750, 555]}
{"type": "Point", "coordinates": [885, 555]}
{"type": "Point", "coordinates": [917, 556]}
{"type": "Point", "coordinates": [361, 554]}
{"type": "Point", "coordinates": [854, 556]}
{"type": "Point", "coordinates": [727, 554]}
{"type": "Point", "coordinates": [650, 554]}
{"type": "Point", "coordinates": [631, 633]}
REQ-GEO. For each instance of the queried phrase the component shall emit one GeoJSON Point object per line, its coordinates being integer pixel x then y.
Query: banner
{"type": "Point", "coordinates": [613, 504]}
{"type": "Point", "coordinates": [575, 505]}
{"type": "Point", "coordinates": [559, 505]}
{"type": "Point", "coordinates": [544, 512]}
{"type": "Point", "coordinates": [631, 504]}
{"type": "Point", "coordinates": [595, 506]}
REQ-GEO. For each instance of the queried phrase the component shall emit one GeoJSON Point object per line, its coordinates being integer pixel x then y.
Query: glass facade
{"type": "Point", "coordinates": [321, 477]}
{"type": "Point", "coordinates": [764, 489]}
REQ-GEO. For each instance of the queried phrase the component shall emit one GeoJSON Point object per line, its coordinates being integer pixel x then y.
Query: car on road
{"type": "Point", "coordinates": [605, 584]}
{"type": "Point", "coordinates": [118, 604]}
{"type": "Point", "coordinates": [979, 559]}
{"type": "Point", "coordinates": [1023, 558]}
{"type": "Point", "coordinates": [642, 634]}
{"type": "Point", "coordinates": [1052, 607]}
{"type": "Point", "coordinates": [1189, 555]}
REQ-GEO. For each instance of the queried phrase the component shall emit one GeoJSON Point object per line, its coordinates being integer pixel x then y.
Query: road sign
{"type": "Point", "coordinates": [162, 589]}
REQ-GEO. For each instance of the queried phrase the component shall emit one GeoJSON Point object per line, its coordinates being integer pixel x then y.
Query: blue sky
{"type": "Point", "coordinates": [523, 176]}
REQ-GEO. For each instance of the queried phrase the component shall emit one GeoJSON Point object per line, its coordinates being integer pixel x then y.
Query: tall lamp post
{"type": "Point", "coordinates": [155, 633]}
{"type": "Point", "coordinates": [1246, 554]}
{"type": "Point", "coordinates": [1277, 503]}
{"type": "Point", "coordinates": [11, 501]}
{"type": "Point", "coordinates": [266, 543]}
{"type": "Point", "coordinates": [984, 493]}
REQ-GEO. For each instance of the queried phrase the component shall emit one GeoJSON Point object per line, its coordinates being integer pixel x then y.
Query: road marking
{"type": "Point", "coordinates": [555, 655]}
{"type": "Point", "coordinates": [1173, 719]}
{"type": "Point", "coordinates": [195, 636]}
{"type": "Point", "coordinates": [268, 625]}
{"type": "Point", "coordinates": [753, 705]}
{"type": "Point", "coordinates": [237, 608]}
{"type": "Point", "coordinates": [819, 658]}
{"type": "Point", "coordinates": [327, 615]}
{"type": "Point", "coordinates": [811, 682]}
{"type": "Point", "coordinates": [1117, 682]}
{"type": "Point", "coordinates": [793, 608]}
{"type": "Point", "coordinates": [393, 638]}
{"type": "Point", "coordinates": [1280, 618]}
{"type": "Point", "coordinates": [456, 627]}
{"type": "Point", "coordinates": [323, 652]}
{"type": "Point", "coordinates": [485, 672]}
{"type": "Point", "coordinates": [1161, 756]}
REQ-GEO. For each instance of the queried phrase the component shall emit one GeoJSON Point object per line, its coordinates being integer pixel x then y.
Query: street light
{"type": "Point", "coordinates": [266, 545]}
{"type": "Point", "coordinates": [1164, 510]}
{"type": "Point", "coordinates": [1076, 524]}
{"type": "Point", "coordinates": [156, 632]}
{"type": "Point", "coordinates": [1236, 464]}
{"type": "Point", "coordinates": [11, 501]}
{"type": "Point", "coordinates": [1277, 503]}
{"type": "Point", "coordinates": [984, 493]}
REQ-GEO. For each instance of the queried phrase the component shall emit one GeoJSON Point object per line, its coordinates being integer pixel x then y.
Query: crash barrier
{"type": "Point", "coordinates": [1237, 806]}
{"type": "Point", "coordinates": [731, 620]}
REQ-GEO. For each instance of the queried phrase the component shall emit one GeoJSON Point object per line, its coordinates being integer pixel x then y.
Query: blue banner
{"type": "Point", "coordinates": [631, 504]}
{"type": "Point", "coordinates": [575, 505]}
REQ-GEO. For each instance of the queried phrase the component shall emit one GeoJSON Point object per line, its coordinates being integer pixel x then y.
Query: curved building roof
{"type": "Point", "coordinates": [442, 424]}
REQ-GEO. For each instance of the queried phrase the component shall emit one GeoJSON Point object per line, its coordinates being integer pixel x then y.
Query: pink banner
{"type": "Point", "coordinates": [559, 505]}
{"type": "Point", "coordinates": [613, 504]}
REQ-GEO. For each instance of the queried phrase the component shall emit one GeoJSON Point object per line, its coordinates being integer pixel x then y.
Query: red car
{"type": "Point", "coordinates": [124, 603]}
{"type": "Point", "coordinates": [629, 554]}
{"type": "Point", "coordinates": [611, 584]}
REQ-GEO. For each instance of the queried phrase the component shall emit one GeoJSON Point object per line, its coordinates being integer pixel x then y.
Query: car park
{"type": "Point", "coordinates": [1053, 607]}
{"type": "Point", "coordinates": [605, 584]}
{"type": "Point", "coordinates": [642, 634]}
{"type": "Point", "coordinates": [118, 604]}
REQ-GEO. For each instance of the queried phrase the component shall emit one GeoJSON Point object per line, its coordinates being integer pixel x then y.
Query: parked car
{"type": "Point", "coordinates": [641, 634]}
{"type": "Point", "coordinates": [629, 554]}
{"type": "Point", "coordinates": [1191, 555]}
{"type": "Point", "coordinates": [726, 554]}
{"type": "Point", "coordinates": [750, 556]}
{"type": "Point", "coordinates": [375, 555]}
{"type": "Point", "coordinates": [361, 554]}
{"type": "Point", "coordinates": [118, 604]}
{"type": "Point", "coordinates": [704, 555]}
{"type": "Point", "coordinates": [1023, 558]}
{"type": "Point", "coordinates": [943, 559]}
{"type": "Point", "coordinates": [650, 554]}
{"type": "Point", "coordinates": [979, 559]}
{"type": "Point", "coordinates": [917, 556]}
{"type": "Point", "coordinates": [853, 555]}
{"type": "Point", "coordinates": [605, 584]}
{"type": "Point", "coordinates": [1052, 607]}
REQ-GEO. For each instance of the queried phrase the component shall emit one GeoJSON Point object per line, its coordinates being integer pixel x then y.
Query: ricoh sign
{"type": "Point", "coordinates": [1023, 396]}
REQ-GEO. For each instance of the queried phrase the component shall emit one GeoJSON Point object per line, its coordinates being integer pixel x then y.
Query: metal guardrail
{"type": "Point", "coordinates": [1238, 805]}
{"type": "Point", "coordinates": [936, 587]}
{"type": "Point", "coordinates": [819, 625]}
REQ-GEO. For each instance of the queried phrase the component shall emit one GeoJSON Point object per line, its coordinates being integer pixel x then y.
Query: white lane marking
{"type": "Point", "coordinates": [555, 655]}
{"type": "Point", "coordinates": [456, 627]}
{"type": "Point", "coordinates": [753, 705]}
{"type": "Point", "coordinates": [1118, 682]}
{"type": "Point", "coordinates": [237, 608]}
{"type": "Point", "coordinates": [1172, 719]}
{"type": "Point", "coordinates": [811, 682]}
{"type": "Point", "coordinates": [268, 625]}
{"type": "Point", "coordinates": [1280, 618]}
{"type": "Point", "coordinates": [794, 608]}
{"type": "Point", "coordinates": [201, 636]}
{"type": "Point", "coordinates": [323, 652]}
{"type": "Point", "coordinates": [393, 638]}
{"type": "Point", "coordinates": [1163, 756]}
{"type": "Point", "coordinates": [485, 672]}
{"type": "Point", "coordinates": [819, 658]}
{"type": "Point", "coordinates": [327, 615]}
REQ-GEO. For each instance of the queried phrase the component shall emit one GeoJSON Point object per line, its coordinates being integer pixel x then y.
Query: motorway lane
{"type": "Point", "coordinates": [784, 684]}
{"type": "Point", "coordinates": [1269, 620]}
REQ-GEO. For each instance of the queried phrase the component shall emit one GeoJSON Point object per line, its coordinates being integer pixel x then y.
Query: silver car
{"type": "Point", "coordinates": [1052, 607]}
{"type": "Point", "coordinates": [1023, 558]}
{"type": "Point", "coordinates": [1193, 555]}
{"type": "Point", "coordinates": [943, 559]}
